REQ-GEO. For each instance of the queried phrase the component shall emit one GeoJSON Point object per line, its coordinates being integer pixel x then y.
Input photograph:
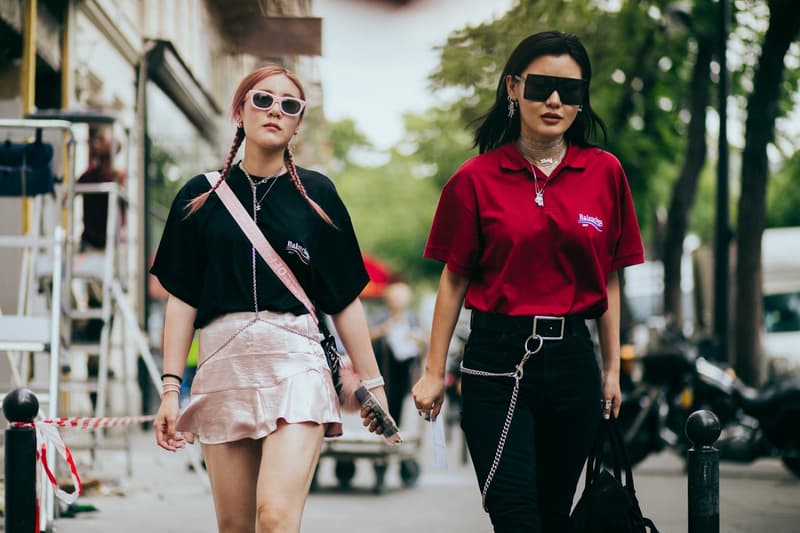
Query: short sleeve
{"type": "Point", "coordinates": [179, 263]}
{"type": "Point", "coordinates": [339, 274]}
{"type": "Point", "coordinates": [454, 238]}
{"type": "Point", "coordinates": [629, 250]}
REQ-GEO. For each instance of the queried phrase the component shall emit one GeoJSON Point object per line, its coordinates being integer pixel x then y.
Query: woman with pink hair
{"type": "Point", "coordinates": [262, 399]}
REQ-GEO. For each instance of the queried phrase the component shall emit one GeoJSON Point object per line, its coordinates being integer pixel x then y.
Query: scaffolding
{"type": "Point", "coordinates": [43, 351]}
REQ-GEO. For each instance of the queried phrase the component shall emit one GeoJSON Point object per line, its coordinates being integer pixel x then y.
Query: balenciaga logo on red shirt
{"type": "Point", "coordinates": [298, 250]}
{"type": "Point", "coordinates": [588, 220]}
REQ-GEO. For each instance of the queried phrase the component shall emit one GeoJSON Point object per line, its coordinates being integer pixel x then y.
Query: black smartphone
{"type": "Point", "coordinates": [390, 430]}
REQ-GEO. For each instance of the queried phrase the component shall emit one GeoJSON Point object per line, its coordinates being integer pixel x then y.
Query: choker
{"type": "Point", "coordinates": [258, 181]}
{"type": "Point", "coordinates": [545, 156]}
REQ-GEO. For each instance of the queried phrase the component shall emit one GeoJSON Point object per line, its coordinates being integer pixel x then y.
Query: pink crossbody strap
{"type": "Point", "coordinates": [261, 244]}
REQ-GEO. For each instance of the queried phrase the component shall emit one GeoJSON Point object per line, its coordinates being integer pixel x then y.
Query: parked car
{"type": "Point", "coordinates": [781, 283]}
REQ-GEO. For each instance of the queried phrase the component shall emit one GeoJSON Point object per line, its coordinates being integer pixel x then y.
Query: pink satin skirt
{"type": "Point", "coordinates": [251, 376]}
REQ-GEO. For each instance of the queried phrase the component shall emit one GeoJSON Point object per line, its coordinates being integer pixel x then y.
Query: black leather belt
{"type": "Point", "coordinates": [549, 328]}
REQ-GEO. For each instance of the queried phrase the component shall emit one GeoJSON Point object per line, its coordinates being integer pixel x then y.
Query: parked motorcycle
{"type": "Point", "coordinates": [674, 383]}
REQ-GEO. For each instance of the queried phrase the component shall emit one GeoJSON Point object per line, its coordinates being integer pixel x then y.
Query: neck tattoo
{"type": "Point", "coordinates": [545, 156]}
{"type": "Point", "coordinates": [255, 182]}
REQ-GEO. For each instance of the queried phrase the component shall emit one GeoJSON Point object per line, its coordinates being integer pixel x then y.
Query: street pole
{"type": "Point", "coordinates": [20, 405]}
{"type": "Point", "coordinates": [722, 230]}
{"type": "Point", "coordinates": [702, 428]}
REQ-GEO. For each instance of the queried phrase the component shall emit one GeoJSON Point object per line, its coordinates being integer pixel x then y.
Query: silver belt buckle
{"type": "Point", "coordinates": [549, 329]}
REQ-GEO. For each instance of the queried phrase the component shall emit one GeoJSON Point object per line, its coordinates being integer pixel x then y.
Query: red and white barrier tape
{"type": "Point", "coordinates": [46, 432]}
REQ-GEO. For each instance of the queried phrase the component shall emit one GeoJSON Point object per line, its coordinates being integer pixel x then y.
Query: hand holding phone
{"type": "Point", "coordinates": [389, 427]}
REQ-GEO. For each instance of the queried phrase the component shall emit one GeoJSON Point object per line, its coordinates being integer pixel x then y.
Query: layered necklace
{"type": "Point", "coordinates": [545, 157]}
{"type": "Point", "coordinates": [256, 182]}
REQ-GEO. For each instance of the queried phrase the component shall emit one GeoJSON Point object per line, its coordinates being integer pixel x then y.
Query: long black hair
{"type": "Point", "coordinates": [496, 129]}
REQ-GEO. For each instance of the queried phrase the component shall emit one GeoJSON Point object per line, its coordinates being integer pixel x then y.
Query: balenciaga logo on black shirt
{"type": "Point", "coordinates": [298, 250]}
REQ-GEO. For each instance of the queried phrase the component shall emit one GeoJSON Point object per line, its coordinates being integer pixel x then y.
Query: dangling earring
{"type": "Point", "coordinates": [239, 125]}
{"type": "Point", "coordinates": [580, 108]}
{"type": "Point", "coordinates": [511, 105]}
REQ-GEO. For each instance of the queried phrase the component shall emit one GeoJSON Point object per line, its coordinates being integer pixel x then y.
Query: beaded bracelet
{"type": "Point", "coordinates": [373, 383]}
{"type": "Point", "coordinates": [180, 379]}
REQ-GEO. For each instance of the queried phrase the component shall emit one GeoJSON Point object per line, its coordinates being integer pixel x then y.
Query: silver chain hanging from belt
{"type": "Point", "coordinates": [517, 374]}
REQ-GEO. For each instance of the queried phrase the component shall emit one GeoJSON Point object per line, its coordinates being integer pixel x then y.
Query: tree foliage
{"type": "Point", "coordinates": [643, 54]}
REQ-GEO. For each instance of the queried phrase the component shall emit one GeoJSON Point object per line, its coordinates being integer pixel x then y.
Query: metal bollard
{"type": "Point", "coordinates": [702, 428]}
{"type": "Point", "coordinates": [20, 405]}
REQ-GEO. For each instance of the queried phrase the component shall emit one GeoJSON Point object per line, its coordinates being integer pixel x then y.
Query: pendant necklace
{"type": "Point", "coordinates": [539, 199]}
{"type": "Point", "coordinates": [553, 155]}
{"type": "Point", "coordinates": [254, 183]}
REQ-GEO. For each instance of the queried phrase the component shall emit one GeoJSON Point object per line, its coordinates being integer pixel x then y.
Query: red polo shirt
{"type": "Point", "coordinates": [522, 259]}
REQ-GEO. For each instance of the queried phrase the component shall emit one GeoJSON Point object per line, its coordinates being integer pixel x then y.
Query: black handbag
{"type": "Point", "coordinates": [332, 355]}
{"type": "Point", "coordinates": [345, 379]}
{"type": "Point", "coordinates": [607, 504]}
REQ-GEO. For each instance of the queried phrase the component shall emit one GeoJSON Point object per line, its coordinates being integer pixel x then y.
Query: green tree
{"type": "Point", "coordinates": [685, 187]}
{"type": "Point", "coordinates": [391, 205]}
{"type": "Point", "coordinates": [763, 107]}
{"type": "Point", "coordinates": [783, 195]}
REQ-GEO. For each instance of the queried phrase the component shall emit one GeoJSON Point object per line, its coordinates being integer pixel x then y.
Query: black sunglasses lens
{"type": "Point", "coordinates": [538, 88]}
{"type": "Point", "coordinates": [263, 100]}
{"type": "Point", "coordinates": [571, 91]}
{"type": "Point", "coordinates": [291, 106]}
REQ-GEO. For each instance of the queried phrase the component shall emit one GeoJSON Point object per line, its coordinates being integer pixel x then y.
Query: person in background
{"type": "Point", "coordinates": [532, 233]}
{"type": "Point", "coordinates": [262, 399]}
{"type": "Point", "coordinates": [89, 291]}
{"type": "Point", "coordinates": [397, 342]}
{"type": "Point", "coordinates": [102, 149]}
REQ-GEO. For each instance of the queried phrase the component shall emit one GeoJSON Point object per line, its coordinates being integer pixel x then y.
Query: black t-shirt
{"type": "Point", "coordinates": [206, 260]}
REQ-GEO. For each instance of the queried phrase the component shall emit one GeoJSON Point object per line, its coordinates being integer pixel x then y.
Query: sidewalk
{"type": "Point", "coordinates": [163, 495]}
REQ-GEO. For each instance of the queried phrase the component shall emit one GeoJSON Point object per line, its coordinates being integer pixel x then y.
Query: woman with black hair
{"type": "Point", "coordinates": [532, 232]}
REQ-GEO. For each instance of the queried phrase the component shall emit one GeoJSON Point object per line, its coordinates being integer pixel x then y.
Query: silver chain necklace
{"type": "Point", "coordinates": [539, 198]}
{"type": "Point", "coordinates": [546, 164]}
{"type": "Point", "coordinates": [254, 183]}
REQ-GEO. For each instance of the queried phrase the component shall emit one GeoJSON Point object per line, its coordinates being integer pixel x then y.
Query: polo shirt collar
{"type": "Point", "coordinates": [512, 159]}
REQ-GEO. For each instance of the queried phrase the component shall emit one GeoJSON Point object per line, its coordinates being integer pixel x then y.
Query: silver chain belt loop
{"type": "Point", "coordinates": [517, 374]}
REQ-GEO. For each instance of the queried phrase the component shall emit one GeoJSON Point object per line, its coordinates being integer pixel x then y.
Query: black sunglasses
{"type": "Point", "coordinates": [539, 88]}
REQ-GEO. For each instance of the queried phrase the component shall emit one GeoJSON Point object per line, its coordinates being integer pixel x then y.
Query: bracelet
{"type": "Point", "coordinates": [170, 387]}
{"type": "Point", "coordinates": [373, 383]}
{"type": "Point", "coordinates": [180, 379]}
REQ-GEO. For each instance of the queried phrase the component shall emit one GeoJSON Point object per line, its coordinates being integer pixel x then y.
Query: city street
{"type": "Point", "coordinates": [165, 496]}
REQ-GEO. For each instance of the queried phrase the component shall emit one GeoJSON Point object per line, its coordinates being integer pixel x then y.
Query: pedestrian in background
{"type": "Point", "coordinates": [397, 342]}
{"type": "Point", "coordinates": [262, 397]}
{"type": "Point", "coordinates": [89, 291]}
{"type": "Point", "coordinates": [532, 232]}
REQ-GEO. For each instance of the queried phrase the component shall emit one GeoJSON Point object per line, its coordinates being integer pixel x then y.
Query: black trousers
{"type": "Point", "coordinates": [551, 433]}
{"type": "Point", "coordinates": [397, 375]}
